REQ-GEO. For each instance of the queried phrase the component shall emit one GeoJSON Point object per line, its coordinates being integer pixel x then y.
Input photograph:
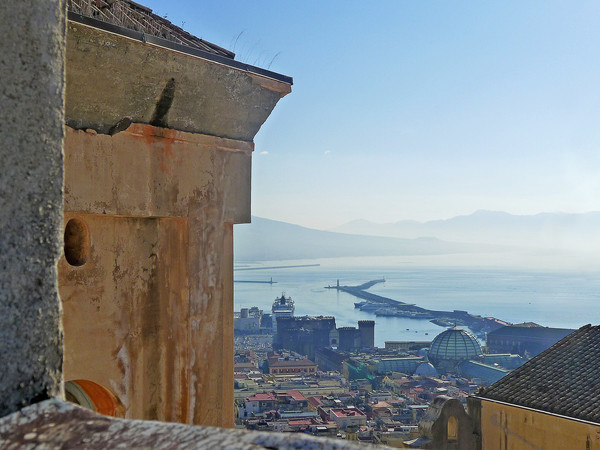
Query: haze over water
{"type": "Point", "coordinates": [550, 297]}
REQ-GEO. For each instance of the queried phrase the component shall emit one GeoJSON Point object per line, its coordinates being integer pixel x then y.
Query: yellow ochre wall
{"type": "Point", "coordinates": [505, 427]}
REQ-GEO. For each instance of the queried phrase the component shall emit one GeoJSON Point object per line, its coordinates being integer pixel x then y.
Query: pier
{"type": "Point", "coordinates": [276, 267]}
{"type": "Point", "coordinates": [395, 308]}
{"type": "Point", "coordinates": [359, 291]}
{"type": "Point", "coordinates": [253, 281]}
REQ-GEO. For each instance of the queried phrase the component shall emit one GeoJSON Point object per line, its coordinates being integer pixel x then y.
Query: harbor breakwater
{"type": "Point", "coordinates": [384, 306]}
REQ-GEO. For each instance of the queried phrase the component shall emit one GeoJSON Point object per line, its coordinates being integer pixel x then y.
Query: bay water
{"type": "Point", "coordinates": [550, 297]}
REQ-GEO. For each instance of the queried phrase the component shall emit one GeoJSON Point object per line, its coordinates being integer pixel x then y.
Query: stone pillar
{"type": "Point", "coordinates": [31, 200]}
{"type": "Point", "coordinates": [211, 318]}
{"type": "Point", "coordinates": [228, 398]}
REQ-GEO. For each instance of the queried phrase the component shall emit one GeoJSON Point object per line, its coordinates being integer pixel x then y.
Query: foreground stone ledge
{"type": "Point", "coordinates": [57, 424]}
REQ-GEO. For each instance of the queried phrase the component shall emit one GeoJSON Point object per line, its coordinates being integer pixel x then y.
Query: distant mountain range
{"type": "Point", "coordinates": [558, 231]}
{"type": "Point", "coordinates": [265, 240]}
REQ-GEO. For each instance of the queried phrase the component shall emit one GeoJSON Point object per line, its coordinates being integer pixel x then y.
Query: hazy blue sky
{"type": "Point", "coordinates": [417, 109]}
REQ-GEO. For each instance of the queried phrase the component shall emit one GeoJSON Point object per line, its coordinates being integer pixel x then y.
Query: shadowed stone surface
{"type": "Point", "coordinates": [110, 77]}
{"type": "Point", "coordinates": [155, 296]}
{"type": "Point", "coordinates": [57, 424]}
{"type": "Point", "coordinates": [445, 426]}
{"type": "Point", "coordinates": [31, 135]}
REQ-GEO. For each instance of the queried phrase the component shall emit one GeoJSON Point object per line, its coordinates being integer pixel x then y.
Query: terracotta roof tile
{"type": "Point", "coordinates": [132, 15]}
{"type": "Point", "coordinates": [296, 395]}
{"type": "Point", "coordinates": [292, 363]}
{"type": "Point", "coordinates": [315, 401]}
{"type": "Point", "coordinates": [265, 396]}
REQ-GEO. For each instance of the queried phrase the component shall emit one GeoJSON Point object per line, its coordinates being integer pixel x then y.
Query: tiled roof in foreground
{"type": "Point", "coordinates": [133, 16]}
{"type": "Point", "coordinates": [565, 379]}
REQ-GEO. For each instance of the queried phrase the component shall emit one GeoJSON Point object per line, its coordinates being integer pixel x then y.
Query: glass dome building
{"type": "Point", "coordinates": [453, 346]}
{"type": "Point", "coordinates": [426, 369]}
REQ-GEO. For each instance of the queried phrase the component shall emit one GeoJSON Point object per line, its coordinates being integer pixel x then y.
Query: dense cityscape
{"type": "Point", "coordinates": [303, 374]}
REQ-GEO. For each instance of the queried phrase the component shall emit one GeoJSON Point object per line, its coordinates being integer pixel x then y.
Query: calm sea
{"type": "Point", "coordinates": [567, 299]}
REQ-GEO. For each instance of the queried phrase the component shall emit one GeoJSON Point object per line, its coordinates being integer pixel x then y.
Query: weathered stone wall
{"type": "Point", "coordinates": [55, 424]}
{"type": "Point", "coordinates": [126, 311]}
{"type": "Point", "coordinates": [31, 178]}
{"type": "Point", "coordinates": [304, 334]}
{"type": "Point", "coordinates": [110, 77]}
{"type": "Point", "coordinates": [445, 426]}
{"type": "Point", "coordinates": [474, 411]}
{"type": "Point", "coordinates": [149, 314]}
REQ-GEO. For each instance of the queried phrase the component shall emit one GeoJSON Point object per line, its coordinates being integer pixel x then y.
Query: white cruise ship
{"type": "Point", "coordinates": [282, 307]}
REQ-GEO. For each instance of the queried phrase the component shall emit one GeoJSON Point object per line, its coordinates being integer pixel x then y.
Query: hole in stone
{"type": "Point", "coordinates": [77, 242]}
